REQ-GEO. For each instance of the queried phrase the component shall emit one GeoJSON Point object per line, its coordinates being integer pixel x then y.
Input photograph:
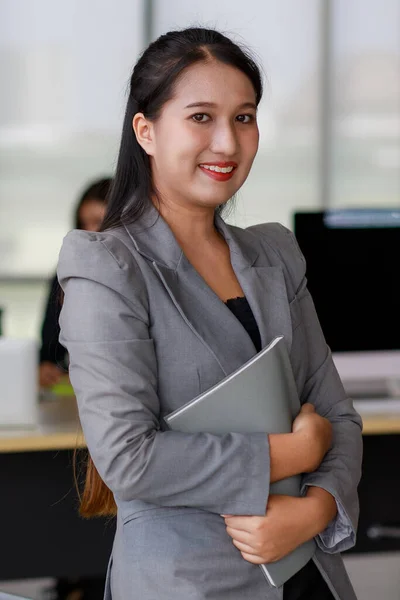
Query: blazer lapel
{"type": "Point", "coordinates": [263, 283]}
{"type": "Point", "coordinates": [202, 310]}
{"type": "Point", "coordinates": [208, 317]}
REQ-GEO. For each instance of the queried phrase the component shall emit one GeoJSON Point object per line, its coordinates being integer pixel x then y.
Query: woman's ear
{"type": "Point", "coordinates": [144, 132]}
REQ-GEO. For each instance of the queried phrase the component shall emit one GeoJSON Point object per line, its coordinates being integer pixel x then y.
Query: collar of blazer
{"type": "Point", "coordinates": [154, 239]}
{"type": "Point", "coordinates": [262, 282]}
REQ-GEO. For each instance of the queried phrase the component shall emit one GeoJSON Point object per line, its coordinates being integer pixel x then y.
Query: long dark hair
{"type": "Point", "coordinates": [97, 190]}
{"type": "Point", "coordinates": [151, 86]}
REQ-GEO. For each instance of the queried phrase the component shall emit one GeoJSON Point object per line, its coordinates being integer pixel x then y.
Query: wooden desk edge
{"type": "Point", "coordinates": [381, 424]}
{"type": "Point", "coordinates": [39, 443]}
{"type": "Point", "coordinates": [69, 440]}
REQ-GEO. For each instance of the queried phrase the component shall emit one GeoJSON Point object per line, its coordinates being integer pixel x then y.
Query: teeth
{"type": "Point", "coordinates": [217, 169]}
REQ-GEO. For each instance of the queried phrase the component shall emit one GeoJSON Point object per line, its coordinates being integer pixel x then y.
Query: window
{"type": "Point", "coordinates": [366, 103]}
{"type": "Point", "coordinates": [64, 67]}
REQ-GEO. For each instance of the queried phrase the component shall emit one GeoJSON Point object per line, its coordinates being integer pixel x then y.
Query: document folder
{"type": "Point", "coordinates": [260, 396]}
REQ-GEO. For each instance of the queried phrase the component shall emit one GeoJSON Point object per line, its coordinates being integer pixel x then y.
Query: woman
{"type": "Point", "coordinates": [89, 214]}
{"type": "Point", "coordinates": [149, 324]}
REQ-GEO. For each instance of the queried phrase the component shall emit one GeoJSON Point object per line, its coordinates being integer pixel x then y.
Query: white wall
{"type": "Point", "coordinates": [64, 67]}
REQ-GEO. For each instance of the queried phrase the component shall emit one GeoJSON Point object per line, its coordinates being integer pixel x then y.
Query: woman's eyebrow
{"type": "Point", "coordinates": [213, 105]}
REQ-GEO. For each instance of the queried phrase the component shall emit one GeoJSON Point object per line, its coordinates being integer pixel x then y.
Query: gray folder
{"type": "Point", "coordinates": [261, 396]}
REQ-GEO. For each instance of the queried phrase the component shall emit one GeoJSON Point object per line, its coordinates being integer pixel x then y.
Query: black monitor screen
{"type": "Point", "coordinates": [353, 272]}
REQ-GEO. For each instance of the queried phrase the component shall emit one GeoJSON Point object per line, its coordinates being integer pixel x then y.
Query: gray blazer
{"type": "Point", "coordinates": [145, 334]}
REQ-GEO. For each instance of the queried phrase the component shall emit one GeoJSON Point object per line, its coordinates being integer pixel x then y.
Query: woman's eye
{"type": "Point", "coordinates": [245, 118]}
{"type": "Point", "coordinates": [200, 118]}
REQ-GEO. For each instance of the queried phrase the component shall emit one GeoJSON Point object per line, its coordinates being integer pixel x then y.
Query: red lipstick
{"type": "Point", "coordinates": [216, 175]}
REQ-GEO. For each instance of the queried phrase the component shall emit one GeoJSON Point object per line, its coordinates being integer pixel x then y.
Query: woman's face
{"type": "Point", "coordinates": [203, 144]}
{"type": "Point", "coordinates": [91, 214]}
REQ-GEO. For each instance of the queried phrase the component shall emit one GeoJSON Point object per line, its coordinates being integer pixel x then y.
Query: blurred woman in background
{"type": "Point", "coordinates": [89, 214]}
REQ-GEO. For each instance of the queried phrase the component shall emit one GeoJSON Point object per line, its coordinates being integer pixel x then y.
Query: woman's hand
{"type": "Point", "coordinates": [271, 537]}
{"type": "Point", "coordinates": [288, 523]}
{"type": "Point", "coordinates": [49, 374]}
{"type": "Point", "coordinates": [314, 434]}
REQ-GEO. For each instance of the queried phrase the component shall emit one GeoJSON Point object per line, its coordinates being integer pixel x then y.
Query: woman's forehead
{"type": "Point", "coordinates": [213, 83]}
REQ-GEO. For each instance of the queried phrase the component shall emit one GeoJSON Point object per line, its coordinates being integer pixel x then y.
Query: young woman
{"type": "Point", "coordinates": [166, 301]}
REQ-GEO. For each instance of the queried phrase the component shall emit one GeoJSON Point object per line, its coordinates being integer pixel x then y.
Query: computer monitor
{"type": "Point", "coordinates": [353, 272]}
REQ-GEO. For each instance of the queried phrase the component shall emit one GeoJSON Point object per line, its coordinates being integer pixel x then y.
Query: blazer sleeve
{"type": "Point", "coordinates": [340, 471]}
{"type": "Point", "coordinates": [113, 369]}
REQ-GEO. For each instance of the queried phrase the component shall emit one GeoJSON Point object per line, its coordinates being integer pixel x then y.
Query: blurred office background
{"type": "Point", "coordinates": [329, 121]}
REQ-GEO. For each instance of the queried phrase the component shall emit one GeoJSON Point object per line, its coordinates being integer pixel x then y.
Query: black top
{"type": "Point", "coordinates": [242, 311]}
{"type": "Point", "coordinates": [308, 583]}
{"type": "Point", "coordinates": [51, 349]}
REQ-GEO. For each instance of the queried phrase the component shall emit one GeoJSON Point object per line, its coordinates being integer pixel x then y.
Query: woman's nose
{"type": "Point", "coordinates": [224, 141]}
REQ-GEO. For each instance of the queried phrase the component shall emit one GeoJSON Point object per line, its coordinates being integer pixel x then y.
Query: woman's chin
{"type": "Point", "coordinates": [214, 198]}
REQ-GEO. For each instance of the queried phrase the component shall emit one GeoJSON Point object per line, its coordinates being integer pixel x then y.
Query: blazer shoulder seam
{"type": "Point", "coordinates": [104, 244]}
{"type": "Point", "coordinates": [120, 264]}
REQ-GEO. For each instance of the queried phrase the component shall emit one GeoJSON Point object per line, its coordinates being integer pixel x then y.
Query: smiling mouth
{"type": "Point", "coordinates": [217, 169]}
{"type": "Point", "coordinates": [219, 172]}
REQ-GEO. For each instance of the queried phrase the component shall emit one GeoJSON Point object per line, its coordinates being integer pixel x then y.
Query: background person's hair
{"type": "Point", "coordinates": [152, 84]}
{"type": "Point", "coordinates": [97, 190]}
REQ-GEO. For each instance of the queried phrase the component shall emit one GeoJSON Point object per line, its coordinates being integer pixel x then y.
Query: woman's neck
{"type": "Point", "coordinates": [190, 225]}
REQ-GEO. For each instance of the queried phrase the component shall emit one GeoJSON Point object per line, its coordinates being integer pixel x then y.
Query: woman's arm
{"type": "Point", "coordinates": [302, 450]}
{"type": "Point", "coordinates": [340, 471]}
{"type": "Point", "coordinates": [52, 354]}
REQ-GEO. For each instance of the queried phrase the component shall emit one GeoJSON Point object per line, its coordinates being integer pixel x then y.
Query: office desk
{"type": "Point", "coordinates": [42, 534]}
{"type": "Point", "coordinates": [46, 537]}
{"type": "Point", "coordinates": [381, 424]}
{"type": "Point", "coordinates": [58, 429]}
{"type": "Point", "coordinates": [379, 489]}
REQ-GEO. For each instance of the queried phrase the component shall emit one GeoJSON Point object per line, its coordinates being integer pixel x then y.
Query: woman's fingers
{"type": "Point", "coordinates": [244, 523]}
{"type": "Point", "coordinates": [255, 560]}
{"type": "Point", "coordinates": [239, 535]}
{"type": "Point", "coordinates": [244, 548]}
